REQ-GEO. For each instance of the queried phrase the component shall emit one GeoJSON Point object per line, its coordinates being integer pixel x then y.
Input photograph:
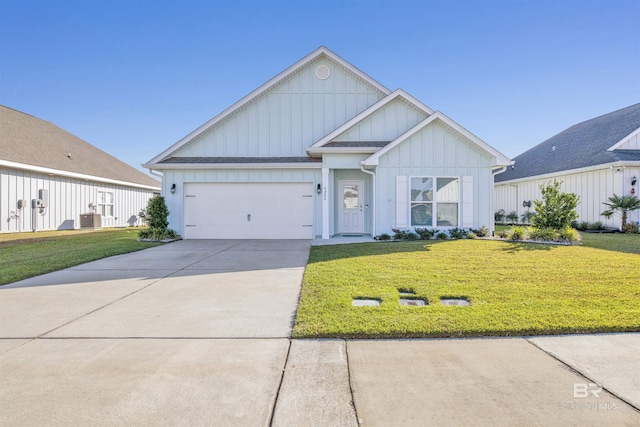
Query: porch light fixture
{"type": "Point", "coordinates": [634, 181]}
{"type": "Point", "coordinates": [319, 189]}
{"type": "Point", "coordinates": [173, 188]}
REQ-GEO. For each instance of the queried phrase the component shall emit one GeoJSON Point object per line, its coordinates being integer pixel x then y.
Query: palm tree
{"type": "Point", "coordinates": [622, 205]}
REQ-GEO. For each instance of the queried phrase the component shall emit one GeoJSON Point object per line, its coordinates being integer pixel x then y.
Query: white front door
{"type": "Point", "coordinates": [351, 207]}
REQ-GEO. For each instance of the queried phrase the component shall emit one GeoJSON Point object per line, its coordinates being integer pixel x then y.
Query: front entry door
{"type": "Point", "coordinates": [351, 207]}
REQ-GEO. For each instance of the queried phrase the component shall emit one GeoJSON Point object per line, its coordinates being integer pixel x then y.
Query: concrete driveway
{"type": "Point", "coordinates": [197, 333]}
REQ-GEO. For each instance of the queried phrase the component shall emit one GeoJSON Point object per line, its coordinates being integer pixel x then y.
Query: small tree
{"type": "Point", "coordinates": [157, 213]}
{"type": "Point", "coordinates": [556, 209]}
{"type": "Point", "coordinates": [621, 205]}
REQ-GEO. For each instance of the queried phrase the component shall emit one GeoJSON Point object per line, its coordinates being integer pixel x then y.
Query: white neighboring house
{"type": "Point", "coordinates": [322, 150]}
{"type": "Point", "coordinates": [593, 159]}
{"type": "Point", "coordinates": [49, 178]}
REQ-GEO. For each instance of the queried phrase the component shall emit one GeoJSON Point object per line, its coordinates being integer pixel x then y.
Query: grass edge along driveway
{"type": "Point", "coordinates": [514, 288]}
{"type": "Point", "coordinates": [24, 255]}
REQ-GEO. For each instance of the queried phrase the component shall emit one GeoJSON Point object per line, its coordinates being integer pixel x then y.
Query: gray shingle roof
{"type": "Point", "coordinates": [32, 141]}
{"type": "Point", "coordinates": [579, 146]}
{"type": "Point", "coordinates": [241, 160]}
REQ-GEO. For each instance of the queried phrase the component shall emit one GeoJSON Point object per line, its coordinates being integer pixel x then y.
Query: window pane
{"type": "Point", "coordinates": [448, 190]}
{"type": "Point", "coordinates": [421, 189]}
{"type": "Point", "coordinates": [109, 198]}
{"type": "Point", "coordinates": [350, 196]}
{"type": "Point", "coordinates": [100, 196]}
{"type": "Point", "coordinates": [110, 210]}
{"type": "Point", "coordinates": [448, 214]}
{"type": "Point", "coordinates": [422, 214]}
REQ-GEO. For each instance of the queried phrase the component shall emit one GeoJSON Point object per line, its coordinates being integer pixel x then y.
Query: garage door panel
{"type": "Point", "coordinates": [249, 210]}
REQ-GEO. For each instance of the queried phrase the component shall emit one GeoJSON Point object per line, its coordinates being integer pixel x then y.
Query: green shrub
{"type": "Point", "coordinates": [545, 234]}
{"type": "Point", "coordinates": [556, 209]}
{"type": "Point", "coordinates": [570, 234]}
{"type": "Point", "coordinates": [582, 225]}
{"type": "Point", "coordinates": [499, 216]}
{"type": "Point", "coordinates": [457, 233]}
{"type": "Point", "coordinates": [598, 225]}
{"type": "Point", "coordinates": [518, 233]}
{"type": "Point", "coordinates": [404, 235]}
{"type": "Point", "coordinates": [503, 234]}
{"type": "Point", "coordinates": [384, 237]}
{"type": "Point", "coordinates": [481, 232]}
{"type": "Point", "coordinates": [526, 217]}
{"type": "Point", "coordinates": [426, 233]}
{"type": "Point", "coordinates": [631, 228]}
{"type": "Point", "coordinates": [442, 236]}
{"type": "Point", "coordinates": [472, 235]}
{"type": "Point", "coordinates": [512, 217]}
{"type": "Point", "coordinates": [157, 213]}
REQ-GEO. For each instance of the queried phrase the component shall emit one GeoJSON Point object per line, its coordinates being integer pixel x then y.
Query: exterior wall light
{"type": "Point", "coordinates": [634, 181]}
{"type": "Point", "coordinates": [319, 189]}
{"type": "Point", "coordinates": [173, 188]}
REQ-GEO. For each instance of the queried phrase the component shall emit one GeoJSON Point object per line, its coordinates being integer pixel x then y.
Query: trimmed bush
{"type": "Point", "coordinates": [569, 234]}
{"type": "Point", "coordinates": [518, 233]}
{"type": "Point", "coordinates": [426, 233]}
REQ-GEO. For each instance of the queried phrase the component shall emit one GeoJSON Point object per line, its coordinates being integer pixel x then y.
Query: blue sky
{"type": "Point", "coordinates": [133, 77]}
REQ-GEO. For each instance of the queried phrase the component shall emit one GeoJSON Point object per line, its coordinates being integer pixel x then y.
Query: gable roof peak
{"type": "Point", "coordinates": [321, 51]}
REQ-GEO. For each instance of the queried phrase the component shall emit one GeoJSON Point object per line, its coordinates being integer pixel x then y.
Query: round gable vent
{"type": "Point", "coordinates": [323, 72]}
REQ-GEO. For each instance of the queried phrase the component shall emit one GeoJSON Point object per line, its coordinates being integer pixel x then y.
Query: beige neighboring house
{"type": "Point", "coordinates": [53, 180]}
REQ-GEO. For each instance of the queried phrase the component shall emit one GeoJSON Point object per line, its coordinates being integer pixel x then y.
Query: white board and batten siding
{"type": "Point", "coordinates": [435, 151]}
{"type": "Point", "coordinates": [68, 199]}
{"type": "Point", "coordinates": [288, 118]}
{"type": "Point", "coordinates": [593, 186]}
{"type": "Point", "coordinates": [385, 124]}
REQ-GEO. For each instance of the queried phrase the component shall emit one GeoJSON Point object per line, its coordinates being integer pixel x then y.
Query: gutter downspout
{"type": "Point", "coordinates": [373, 187]}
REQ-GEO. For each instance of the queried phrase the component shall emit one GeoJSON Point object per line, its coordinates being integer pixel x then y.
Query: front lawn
{"type": "Point", "coordinates": [515, 289]}
{"type": "Point", "coordinates": [24, 255]}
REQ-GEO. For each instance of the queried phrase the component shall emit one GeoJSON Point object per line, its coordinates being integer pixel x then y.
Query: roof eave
{"type": "Point", "coordinates": [550, 175]}
{"type": "Point", "coordinates": [200, 166]}
{"type": "Point", "coordinates": [84, 177]}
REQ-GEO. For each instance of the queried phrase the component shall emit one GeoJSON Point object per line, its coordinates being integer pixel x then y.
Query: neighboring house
{"type": "Point", "coordinates": [49, 178]}
{"type": "Point", "coordinates": [321, 150]}
{"type": "Point", "coordinates": [593, 159]}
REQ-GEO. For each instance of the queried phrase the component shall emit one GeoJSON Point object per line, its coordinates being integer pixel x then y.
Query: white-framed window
{"type": "Point", "coordinates": [105, 203]}
{"type": "Point", "coordinates": [435, 201]}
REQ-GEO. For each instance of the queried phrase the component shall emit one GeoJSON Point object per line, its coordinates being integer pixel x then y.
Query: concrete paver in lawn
{"type": "Point", "coordinates": [140, 382]}
{"type": "Point", "coordinates": [610, 360]}
{"type": "Point", "coordinates": [32, 307]}
{"type": "Point", "coordinates": [498, 382]}
{"type": "Point", "coordinates": [315, 389]}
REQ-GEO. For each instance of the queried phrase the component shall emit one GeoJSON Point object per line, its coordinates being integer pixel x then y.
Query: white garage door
{"type": "Point", "coordinates": [248, 210]}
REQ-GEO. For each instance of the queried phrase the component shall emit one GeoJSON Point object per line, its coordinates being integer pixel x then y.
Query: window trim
{"type": "Point", "coordinates": [102, 205]}
{"type": "Point", "coordinates": [434, 202]}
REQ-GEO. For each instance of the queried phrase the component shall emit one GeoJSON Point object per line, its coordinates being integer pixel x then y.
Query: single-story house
{"type": "Point", "coordinates": [53, 180]}
{"type": "Point", "coordinates": [593, 159]}
{"type": "Point", "coordinates": [321, 150]}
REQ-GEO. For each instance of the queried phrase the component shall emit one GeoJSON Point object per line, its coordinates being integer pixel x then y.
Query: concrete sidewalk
{"type": "Point", "coordinates": [197, 333]}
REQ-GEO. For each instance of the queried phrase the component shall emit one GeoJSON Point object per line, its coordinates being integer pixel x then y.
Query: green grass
{"type": "Point", "coordinates": [515, 289]}
{"type": "Point", "coordinates": [26, 255]}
